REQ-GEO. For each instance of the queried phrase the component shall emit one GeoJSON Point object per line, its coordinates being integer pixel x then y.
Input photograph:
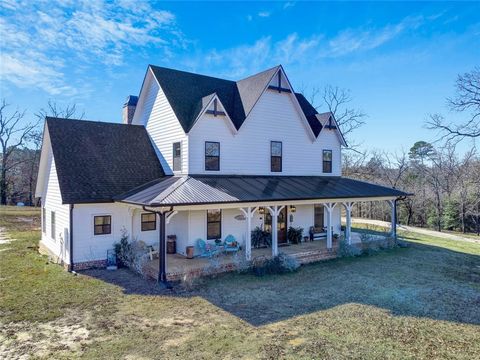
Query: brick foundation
{"type": "Point", "coordinates": [303, 258]}
{"type": "Point", "coordinates": [42, 249]}
{"type": "Point", "coordinates": [95, 264]}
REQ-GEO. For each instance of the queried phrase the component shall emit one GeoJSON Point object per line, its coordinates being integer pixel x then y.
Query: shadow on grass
{"type": "Point", "coordinates": [420, 281]}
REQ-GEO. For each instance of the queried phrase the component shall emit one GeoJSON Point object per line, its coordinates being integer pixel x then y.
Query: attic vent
{"type": "Point", "coordinates": [215, 110]}
{"type": "Point", "coordinates": [330, 124]}
{"type": "Point", "coordinates": [279, 87]}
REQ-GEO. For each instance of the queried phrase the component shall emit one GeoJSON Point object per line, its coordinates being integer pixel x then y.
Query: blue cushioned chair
{"type": "Point", "coordinates": [231, 244]}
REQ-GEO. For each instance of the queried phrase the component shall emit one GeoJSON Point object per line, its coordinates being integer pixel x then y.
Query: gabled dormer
{"type": "Point", "coordinates": [184, 112]}
{"type": "Point", "coordinates": [279, 82]}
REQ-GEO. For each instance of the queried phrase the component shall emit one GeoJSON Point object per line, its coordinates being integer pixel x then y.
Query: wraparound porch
{"type": "Point", "coordinates": [178, 266]}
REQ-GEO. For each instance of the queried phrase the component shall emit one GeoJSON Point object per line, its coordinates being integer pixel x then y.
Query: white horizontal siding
{"type": "Point", "coordinates": [178, 226]}
{"type": "Point", "coordinates": [274, 118]}
{"type": "Point", "coordinates": [156, 114]}
{"type": "Point", "coordinates": [86, 245]}
{"type": "Point", "coordinates": [52, 201]}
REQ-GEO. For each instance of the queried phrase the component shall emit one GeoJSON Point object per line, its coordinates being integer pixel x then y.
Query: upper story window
{"type": "Point", "coordinates": [327, 161]}
{"type": "Point", "coordinates": [177, 156]}
{"type": "Point", "coordinates": [102, 225]}
{"type": "Point", "coordinates": [52, 224]}
{"type": "Point", "coordinates": [214, 224]}
{"type": "Point", "coordinates": [212, 156]}
{"type": "Point", "coordinates": [149, 222]}
{"type": "Point", "coordinates": [276, 156]}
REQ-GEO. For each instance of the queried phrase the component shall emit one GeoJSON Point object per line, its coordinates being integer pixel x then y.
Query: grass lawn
{"type": "Point", "coordinates": [422, 301]}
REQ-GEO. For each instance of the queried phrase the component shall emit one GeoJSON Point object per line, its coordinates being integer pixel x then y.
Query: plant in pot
{"type": "Point", "coordinates": [294, 235]}
{"type": "Point", "coordinates": [260, 238]}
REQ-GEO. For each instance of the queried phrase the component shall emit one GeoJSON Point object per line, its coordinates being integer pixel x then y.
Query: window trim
{"type": "Point", "coordinates": [276, 156]}
{"type": "Point", "coordinates": [94, 225]}
{"type": "Point", "coordinates": [148, 222]}
{"type": "Point", "coordinates": [214, 222]}
{"type": "Point", "coordinates": [205, 151]}
{"type": "Point", "coordinates": [324, 162]}
{"type": "Point", "coordinates": [175, 157]}
{"type": "Point", "coordinates": [53, 225]}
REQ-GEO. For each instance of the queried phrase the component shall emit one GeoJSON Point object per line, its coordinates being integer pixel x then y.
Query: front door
{"type": "Point", "coordinates": [281, 225]}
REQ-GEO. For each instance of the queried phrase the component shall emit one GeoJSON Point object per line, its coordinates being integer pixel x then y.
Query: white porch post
{"type": "Point", "coordinates": [329, 207]}
{"type": "Point", "coordinates": [274, 212]}
{"type": "Point", "coordinates": [348, 228]}
{"type": "Point", "coordinates": [249, 212]}
{"type": "Point", "coordinates": [393, 227]}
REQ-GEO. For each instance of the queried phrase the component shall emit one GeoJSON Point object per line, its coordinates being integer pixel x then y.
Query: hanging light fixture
{"type": "Point", "coordinates": [261, 210]}
{"type": "Point", "coordinates": [293, 208]}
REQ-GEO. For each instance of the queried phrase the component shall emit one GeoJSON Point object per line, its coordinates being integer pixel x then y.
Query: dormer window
{"type": "Point", "coordinates": [276, 156]}
{"type": "Point", "coordinates": [212, 156]}
{"type": "Point", "coordinates": [177, 156]}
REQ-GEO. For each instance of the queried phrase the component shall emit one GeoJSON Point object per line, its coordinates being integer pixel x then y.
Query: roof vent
{"type": "Point", "coordinates": [129, 109]}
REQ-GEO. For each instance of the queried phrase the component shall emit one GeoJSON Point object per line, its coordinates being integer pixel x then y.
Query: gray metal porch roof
{"type": "Point", "coordinates": [218, 189]}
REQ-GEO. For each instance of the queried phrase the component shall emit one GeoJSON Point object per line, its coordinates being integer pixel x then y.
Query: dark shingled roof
{"type": "Point", "coordinates": [96, 160]}
{"type": "Point", "coordinates": [186, 92]}
{"type": "Point", "coordinates": [310, 113]}
{"type": "Point", "coordinates": [217, 189]}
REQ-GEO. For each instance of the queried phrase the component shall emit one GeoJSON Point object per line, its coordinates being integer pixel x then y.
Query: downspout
{"type": "Point", "coordinates": [71, 239]}
{"type": "Point", "coordinates": [162, 272]}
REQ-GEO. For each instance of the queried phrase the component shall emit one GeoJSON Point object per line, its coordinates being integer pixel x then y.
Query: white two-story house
{"type": "Point", "coordinates": [197, 157]}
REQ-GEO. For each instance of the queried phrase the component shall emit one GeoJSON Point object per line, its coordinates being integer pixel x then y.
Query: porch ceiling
{"type": "Point", "coordinates": [227, 189]}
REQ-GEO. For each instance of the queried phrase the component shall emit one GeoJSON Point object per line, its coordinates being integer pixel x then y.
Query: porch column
{"type": "Point", "coordinates": [393, 227]}
{"type": "Point", "coordinates": [162, 251]}
{"type": "Point", "coordinates": [348, 227]}
{"type": "Point", "coordinates": [274, 212]}
{"type": "Point", "coordinates": [248, 212]}
{"type": "Point", "coordinates": [329, 207]}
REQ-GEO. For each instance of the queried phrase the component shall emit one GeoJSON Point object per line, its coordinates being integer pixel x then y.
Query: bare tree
{"type": "Point", "coordinates": [54, 110]}
{"type": "Point", "coordinates": [13, 135]}
{"type": "Point", "coordinates": [466, 100]}
{"type": "Point", "coordinates": [337, 101]}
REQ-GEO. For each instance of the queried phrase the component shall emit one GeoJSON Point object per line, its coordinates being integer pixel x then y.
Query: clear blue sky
{"type": "Point", "coordinates": [399, 60]}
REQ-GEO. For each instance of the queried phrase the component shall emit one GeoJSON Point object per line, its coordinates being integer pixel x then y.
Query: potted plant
{"type": "Point", "coordinates": [294, 235]}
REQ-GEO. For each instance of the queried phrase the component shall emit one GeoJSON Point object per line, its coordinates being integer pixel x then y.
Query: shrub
{"type": "Point", "coordinates": [123, 249]}
{"type": "Point", "coordinates": [132, 254]}
{"type": "Point", "coordinates": [294, 235]}
{"type": "Point", "coordinates": [279, 264]}
{"type": "Point", "coordinates": [347, 250]}
{"type": "Point", "coordinates": [242, 265]}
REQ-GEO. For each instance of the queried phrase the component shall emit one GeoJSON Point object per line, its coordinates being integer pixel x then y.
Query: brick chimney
{"type": "Point", "coordinates": [129, 109]}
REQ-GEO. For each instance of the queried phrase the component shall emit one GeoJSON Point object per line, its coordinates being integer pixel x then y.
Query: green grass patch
{"type": "Point", "coordinates": [416, 302]}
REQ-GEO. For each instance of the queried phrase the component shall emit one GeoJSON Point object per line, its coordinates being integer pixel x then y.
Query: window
{"type": "Point", "coordinates": [327, 161]}
{"type": "Point", "coordinates": [319, 219]}
{"type": "Point", "coordinates": [149, 222]}
{"type": "Point", "coordinates": [102, 225]}
{"type": "Point", "coordinates": [276, 156]}
{"type": "Point", "coordinates": [44, 221]}
{"type": "Point", "coordinates": [177, 156]}
{"type": "Point", "coordinates": [212, 156]}
{"type": "Point", "coordinates": [52, 224]}
{"type": "Point", "coordinates": [214, 224]}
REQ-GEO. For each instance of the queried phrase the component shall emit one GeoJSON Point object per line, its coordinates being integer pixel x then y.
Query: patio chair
{"type": "Point", "coordinates": [205, 249]}
{"type": "Point", "coordinates": [152, 252]}
{"type": "Point", "coordinates": [231, 244]}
